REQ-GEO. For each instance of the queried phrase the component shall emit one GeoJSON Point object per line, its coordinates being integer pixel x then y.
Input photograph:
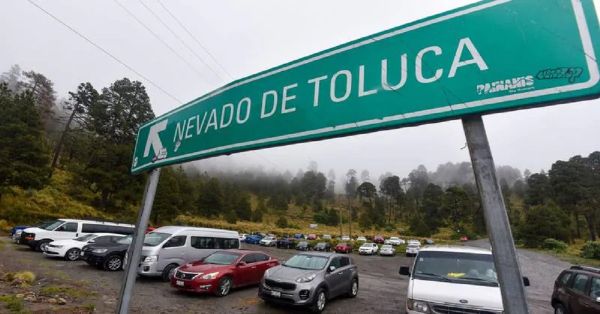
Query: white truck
{"type": "Point", "coordinates": [453, 279]}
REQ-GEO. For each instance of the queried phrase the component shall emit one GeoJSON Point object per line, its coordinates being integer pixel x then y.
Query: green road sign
{"type": "Point", "coordinates": [487, 57]}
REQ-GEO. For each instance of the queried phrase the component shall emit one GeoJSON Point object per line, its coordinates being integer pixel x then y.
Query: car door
{"type": "Point", "coordinates": [577, 293]}
{"type": "Point", "coordinates": [246, 270]}
{"type": "Point", "coordinates": [66, 231]}
{"type": "Point", "coordinates": [591, 304]}
{"type": "Point", "coordinates": [335, 278]}
{"type": "Point", "coordinates": [263, 262]}
{"type": "Point", "coordinates": [173, 251]}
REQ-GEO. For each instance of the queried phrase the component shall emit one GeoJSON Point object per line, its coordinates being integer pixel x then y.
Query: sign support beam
{"type": "Point", "coordinates": [496, 218]}
{"type": "Point", "coordinates": [135, 249]}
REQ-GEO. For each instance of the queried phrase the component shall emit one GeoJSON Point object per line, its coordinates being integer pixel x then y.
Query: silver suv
{"type": "Point", "coordinates": [310, 279]}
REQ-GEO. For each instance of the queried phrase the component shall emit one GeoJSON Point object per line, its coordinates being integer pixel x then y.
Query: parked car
{"type": "Point", "coordinates": [378, 239]}
{"type": "Point", "coordinates": [394, 241]}
{"type": "Point", "coordinates": [253, 239]}
{"type": "Point", "coordinates": [326, 237]}
{"type": "Point", "coordinates": [311, 236]}
{"type": "Point", "coordinates": [345, 238]}
{"type": "Point", "coordinates": [343, 248]}
{"type": "Point", "coordinates": [15, 232]}
{"type": "Point", "coordinates": [243, 237]}
{"type": "Point", "coordinates": [464, 238]}
{"type": "Point", "coordinates": [453, 279]}
{"type": "Point", "coordinates": [298, 236]}
{"type": "Point", "coordinates": [268, 241]}
{"type": "Point", "coordinates": [167, 248]}
{"type": "Point", "coordinates": [286, 243]}
{"type": "Point", "coordinates": [369, 248]}
{"type": "Point", "coordinates": [71, 249]}
{"type": "Point", "coordinates": [387, 250]}
{"type": "Point", "coordinates": [64, 229]}
{"type": "Point", "coordinates": [361, 238]}
{"type": "Point", "coordinates": [108, 256]}
{"type": "Point", "coordinates": [221, 271]}
{"type": "Point", "coordinates": [416, 242]}
{"type": "Point", "coordinates": [412, 249]}
{"type": "Point", "coordinates": [310, 279]}
{"type": "Point", "coordinates": [577, 290]}
{"type": "Point", "coordinates": [303, 246]}
{"type": "Point", "coordinates": [322, 246]}
{"type": "Point", "coordinates": [429, 242]}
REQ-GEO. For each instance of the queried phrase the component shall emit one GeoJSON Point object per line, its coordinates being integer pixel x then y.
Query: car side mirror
{"type": "Point", "coordinates": [404, 270]}
{"type": "Point", "coordinates": [241, 264]}
{"type": "Point", "coordinates": [331, 268]}
{"type": "Point", "coordinates": [526, 282]}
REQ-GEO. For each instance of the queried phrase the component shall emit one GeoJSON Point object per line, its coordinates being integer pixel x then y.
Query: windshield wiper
{"type": "Point", "coordinates": [478, 279]}
{"type": "Point", "coordinates": [435, 275]}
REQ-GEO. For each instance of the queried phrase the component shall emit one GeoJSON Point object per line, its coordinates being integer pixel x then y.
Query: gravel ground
{"type": "Point", "coordinates": [382, 289]}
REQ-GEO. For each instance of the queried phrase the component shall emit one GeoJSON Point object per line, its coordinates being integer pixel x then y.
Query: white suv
{"type": "Point", "coordinates": [268, 241]}
{"type": "Point", "coordinates": [394, 241]}
{"type": "Point", "coordinates": [453, 279]}
{"type": "Point", "coordinates": [368, 248]}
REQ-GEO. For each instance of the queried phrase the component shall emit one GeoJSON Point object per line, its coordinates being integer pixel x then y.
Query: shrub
{"type": "Point", "coordinates": [13, 303]}
{"type": "Point", "coordinates": [282, 222]}
{"type": "Point", "coordinates": [591, 250]}
{"type": "Point", "coordinates": [554, 245]}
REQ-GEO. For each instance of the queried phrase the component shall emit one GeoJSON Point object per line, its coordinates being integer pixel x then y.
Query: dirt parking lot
{"type": "Point", "coordinates": [382, 289]}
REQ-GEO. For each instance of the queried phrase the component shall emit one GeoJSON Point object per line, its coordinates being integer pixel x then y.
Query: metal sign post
{"type": "Point", "coordinates": [135, 249]}
{"type": "Point", "coordinates": [496, 219]}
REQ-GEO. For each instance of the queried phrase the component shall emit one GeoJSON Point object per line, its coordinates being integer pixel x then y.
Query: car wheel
{"type": "Point", "coordinates": [560, 309]}
{"type": "Point", "coordinates": [353, 289]}
{"type": "Point", "coordinates": [113, 263]}
{"type": "Point", "coordinates": [42, 245]}
{"type": "Point", "coordinates": [168, 272]}
{"type": "Point", "coordinates": [72, 254]}
{"type": "Point", "coordinates": [320, 301]}
{"type": "Point", "coordinates": [224, 287]}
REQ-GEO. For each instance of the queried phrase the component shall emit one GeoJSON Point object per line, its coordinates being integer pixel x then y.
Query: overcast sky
{"type": "Point", "coordinates": [250, 36]}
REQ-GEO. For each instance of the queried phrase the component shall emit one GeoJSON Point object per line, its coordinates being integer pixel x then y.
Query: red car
{"type": "Point", "coordinates": [311, 236]}
{"type": "Point", "coordinates": [343, 248]}
{"type": "Point", "coordinates": [378, 239]}
{"type": "Point", "coordinates": [221, 271]}
{"type": "Point", "coordinates": [464, 238]}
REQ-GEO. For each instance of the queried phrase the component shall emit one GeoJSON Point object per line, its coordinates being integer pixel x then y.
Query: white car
{"type": "Point", "coordinates": [387, 250]}
{"type": "Point", "coordinates": [453, 278]}
{"type": "Point", "coordinates": [363, 239]}
{"type": "Point", "coordinates": [268, 241]}
{"type": "Point", "coordinates": [369, 248]}
{"type": "Point", "coordinates": [71, 249]}
{"type": "Point", "coordinates": [326, 237]}
{"type": "Point", "coordinates": [412, 249]}
{"type": "Point", "coordinates": [345, 238]}
{"type": "Point", "coordinates": [243, 237]}
{"type": "Point", "coordinates": [394, 241]}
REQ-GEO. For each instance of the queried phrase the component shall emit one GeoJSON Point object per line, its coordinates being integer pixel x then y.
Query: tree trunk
{"type": "Point", "coordinates": [591, 222]}
{"type": "Point", "coordinates": [60, 141]}
{"type": "Point", "coordinates": [577, 226]}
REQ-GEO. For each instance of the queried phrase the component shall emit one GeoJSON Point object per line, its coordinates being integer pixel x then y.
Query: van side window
{"type": "Point", "coordinates": [88, 228]}
{"type": "Point", "coordinates": [68, 227]}
{"type": "Point", "coordinates": [203, 243]}
{"type": "Point", "coordinates": [227, 244]}
{"type": "Point", "coordinates": [175, 242]}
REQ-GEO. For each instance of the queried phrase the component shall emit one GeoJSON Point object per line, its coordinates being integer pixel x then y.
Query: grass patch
{"type": "Point", "coordinates": [13, 304]}
{"type": "Point", "coordinates": [571, 255]}
{"type": "Point", "coordinates": [75, 293]}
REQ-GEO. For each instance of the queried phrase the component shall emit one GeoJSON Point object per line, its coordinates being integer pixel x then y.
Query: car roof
{"type": "Point", "coordinates": [96, 222]}
{"type": "Point", "coordinates": [101, 234]}
{"type": "Point", "coordinates": [455, 248]}
{"type": "Point", "coordinates": [585, 269]}
{"type": "Point", "coordinates": [180, 229]}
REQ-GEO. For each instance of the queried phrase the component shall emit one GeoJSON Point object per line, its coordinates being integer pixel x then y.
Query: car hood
{"type": "Point", "coordinates": [204, 268]}
{"type": "Point", "coordinates": [482, 297]}
{"type": "Point", "coordinates": [34, 230]}
{"type": "Point", "coordinates": [288, 274]}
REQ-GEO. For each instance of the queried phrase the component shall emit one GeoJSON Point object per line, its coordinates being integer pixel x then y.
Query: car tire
{"type": "Point", "coordinates": [320, 301]}
{"type": "Point", "coordinates": [42, 245]}
{"type": "Point", "coordinates": [168, 272]}
{"type": "Point", "coordinates": [72, 254]}
{"type": "Point", "coordinates": [113, 263]}
{"type": "Point", "coordinates": [560, 309]}
{"type": "Point", "coordinates": [353, 289]}
{"type": "Point", "coordinates": [224, 286]}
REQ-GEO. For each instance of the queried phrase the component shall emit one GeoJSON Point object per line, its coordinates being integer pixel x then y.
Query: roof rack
{"type": "Point", "coordinates": [586, 268]}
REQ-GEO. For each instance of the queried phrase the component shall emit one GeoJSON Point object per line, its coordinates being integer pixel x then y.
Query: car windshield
{"type": "Point", "coordinates": [45, 224]}
{"type": "Point", "coordinates": [125, 240]}
{"type": "Point", "coordinates": [85, 238]}
{"type": "Point", "coordinates": [342, 244]}
{"type": "Point", "coordinates": [221, 258]}
{"type": "Point", "coordinates": [155, 238]}
{"type": "Point", "coordinates": [394, 238]}
{"type": "Point", "coordinates": [368, 245]}
{"type": "Point", "coordinates": [469, 268]}
{"type": "Point", "coordinates": [413, 245]}
{"type": "Point", "coordinates": [321, 244]}
{"type": "Point", "coordinates": [304, 261]}
{"type": "Point", "coordinates": [387, 246]}
{"type": "Point", "coordinates": [53, 225]}
{"type": "Point", "coordinates": [303, 243]}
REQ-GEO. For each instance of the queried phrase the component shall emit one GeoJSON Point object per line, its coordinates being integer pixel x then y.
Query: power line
{"type": "Point", "coordinates": [104, 51]}
{"type": "Point", "coordinates": [180, 39]}
{"type": "Point", "coordinates": [196, 40]}
{"type": "Point", "coordinates": [159, 38]}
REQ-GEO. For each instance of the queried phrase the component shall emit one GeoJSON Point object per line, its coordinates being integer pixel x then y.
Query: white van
{"type": "Point", "coordinates": [166, 248]}
{"type": "Point", "coordinates": [68, 229]}
{"type": "Point", "coordinates": [453, 279]}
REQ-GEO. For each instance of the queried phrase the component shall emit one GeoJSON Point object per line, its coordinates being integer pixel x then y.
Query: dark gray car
{"type": "Point", "coordinates": [310, 279]}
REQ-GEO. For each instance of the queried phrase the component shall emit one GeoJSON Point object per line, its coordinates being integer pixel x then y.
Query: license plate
{"type": "Point", "coordinates": [180, 283]}
{"type": "Point", "coordinates": [276, 294]}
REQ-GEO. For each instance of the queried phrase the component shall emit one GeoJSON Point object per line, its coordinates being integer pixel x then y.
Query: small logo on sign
{"type": "Point", "coordinates": [463, 301]}
{"type": "Point", "coordinates": [515, 84]}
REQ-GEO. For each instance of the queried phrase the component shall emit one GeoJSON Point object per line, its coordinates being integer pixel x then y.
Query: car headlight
{"type": "Point", "coordinates": [100, 251]}
{"type": "Point", "coordinates": [307, 278]}
{"type": "Point", "coordinates": [151, 258]}
{"type": "Point", "coordinates": [419, 306]}
{"type": "Point", "coordinates": [210, 276]}
{"type": "Point", "coordinates": [267, 272]}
